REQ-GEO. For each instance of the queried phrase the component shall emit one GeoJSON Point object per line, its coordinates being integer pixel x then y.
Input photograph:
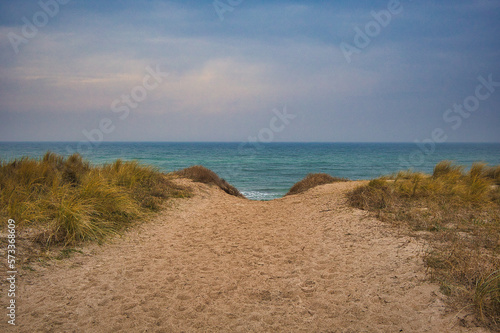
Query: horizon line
{"type": "Point", "coordinates": [251, 142]}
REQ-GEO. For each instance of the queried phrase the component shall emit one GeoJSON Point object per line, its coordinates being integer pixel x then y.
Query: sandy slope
{"type": "Point", "coordinates": [215, 263]}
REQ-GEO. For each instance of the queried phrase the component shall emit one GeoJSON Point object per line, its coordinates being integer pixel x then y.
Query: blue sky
{"type": "Point", "coordinates": [225, 77]}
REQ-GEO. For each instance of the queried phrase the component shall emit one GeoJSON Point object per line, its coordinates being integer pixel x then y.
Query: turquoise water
{"type": "Point", "coordinates": [267, 171]}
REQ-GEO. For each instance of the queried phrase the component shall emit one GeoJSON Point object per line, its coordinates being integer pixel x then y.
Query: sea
{"type": "Point", "coordinates": [265, 171]}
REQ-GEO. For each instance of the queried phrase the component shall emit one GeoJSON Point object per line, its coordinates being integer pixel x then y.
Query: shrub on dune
{"type": "Point", "coordinates": [201, 174]}
{"type": "Point", "coordinates": [313, 180]}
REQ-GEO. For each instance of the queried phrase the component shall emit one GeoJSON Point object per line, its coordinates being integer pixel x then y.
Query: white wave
{"type": "Point", "coordinates": [256, 195]}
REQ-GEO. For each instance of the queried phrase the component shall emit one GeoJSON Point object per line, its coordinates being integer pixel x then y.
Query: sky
{"type": "Point", "coordinates": [238, 70]}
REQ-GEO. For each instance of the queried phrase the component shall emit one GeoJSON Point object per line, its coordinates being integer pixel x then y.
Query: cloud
{"type": "Point", "coordinates": [228, 75]}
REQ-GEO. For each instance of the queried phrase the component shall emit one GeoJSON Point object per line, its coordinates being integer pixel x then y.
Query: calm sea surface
{"type": "Point", "coordinates": [267, 171]}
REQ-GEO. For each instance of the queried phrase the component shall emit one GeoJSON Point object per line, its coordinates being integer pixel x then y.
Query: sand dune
{"type": "Point", "coordinates": [216, 263]}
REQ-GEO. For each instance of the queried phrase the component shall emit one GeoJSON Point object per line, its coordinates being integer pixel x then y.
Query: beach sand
{"type": "Point", "coordinates": [217, 263]}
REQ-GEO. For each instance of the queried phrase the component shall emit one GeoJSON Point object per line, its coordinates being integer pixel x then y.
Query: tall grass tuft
{"type": "Point", "coordinates": [447, 169]}
{"type": "Point", "coordinates": [487, 295]}
{"type": "Point", "coordinates": [68, 201]}
{"type": "Point", "coordinates": [459, 213]}
{"type": "Point", "coordinates": [313, 180]}
{"type": "Point", "coordinates": [377, 195]}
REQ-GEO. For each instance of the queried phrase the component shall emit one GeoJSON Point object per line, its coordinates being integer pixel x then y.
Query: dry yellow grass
{"type": "Point", "coordinates": [67, 200]}
{"type": "Point", "coordinates": [459, 213]}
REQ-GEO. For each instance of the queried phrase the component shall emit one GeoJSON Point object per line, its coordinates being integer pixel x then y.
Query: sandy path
{"type": "Point", "coordinates": [215, 263]}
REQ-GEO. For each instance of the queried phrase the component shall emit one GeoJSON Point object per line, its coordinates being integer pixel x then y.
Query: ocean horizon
{"type": "Point", "coordinates": [265, 171]}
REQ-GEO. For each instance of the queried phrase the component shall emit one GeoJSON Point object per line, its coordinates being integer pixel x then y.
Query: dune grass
{"type": "Point", "coordinates": [201, 174]}
{"type": "Point", "coordinates": [458, 212]}
{"type": "Point", "coordinates": [67, 200]}
{"type": "Point", "coordinates": [313, 180]}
